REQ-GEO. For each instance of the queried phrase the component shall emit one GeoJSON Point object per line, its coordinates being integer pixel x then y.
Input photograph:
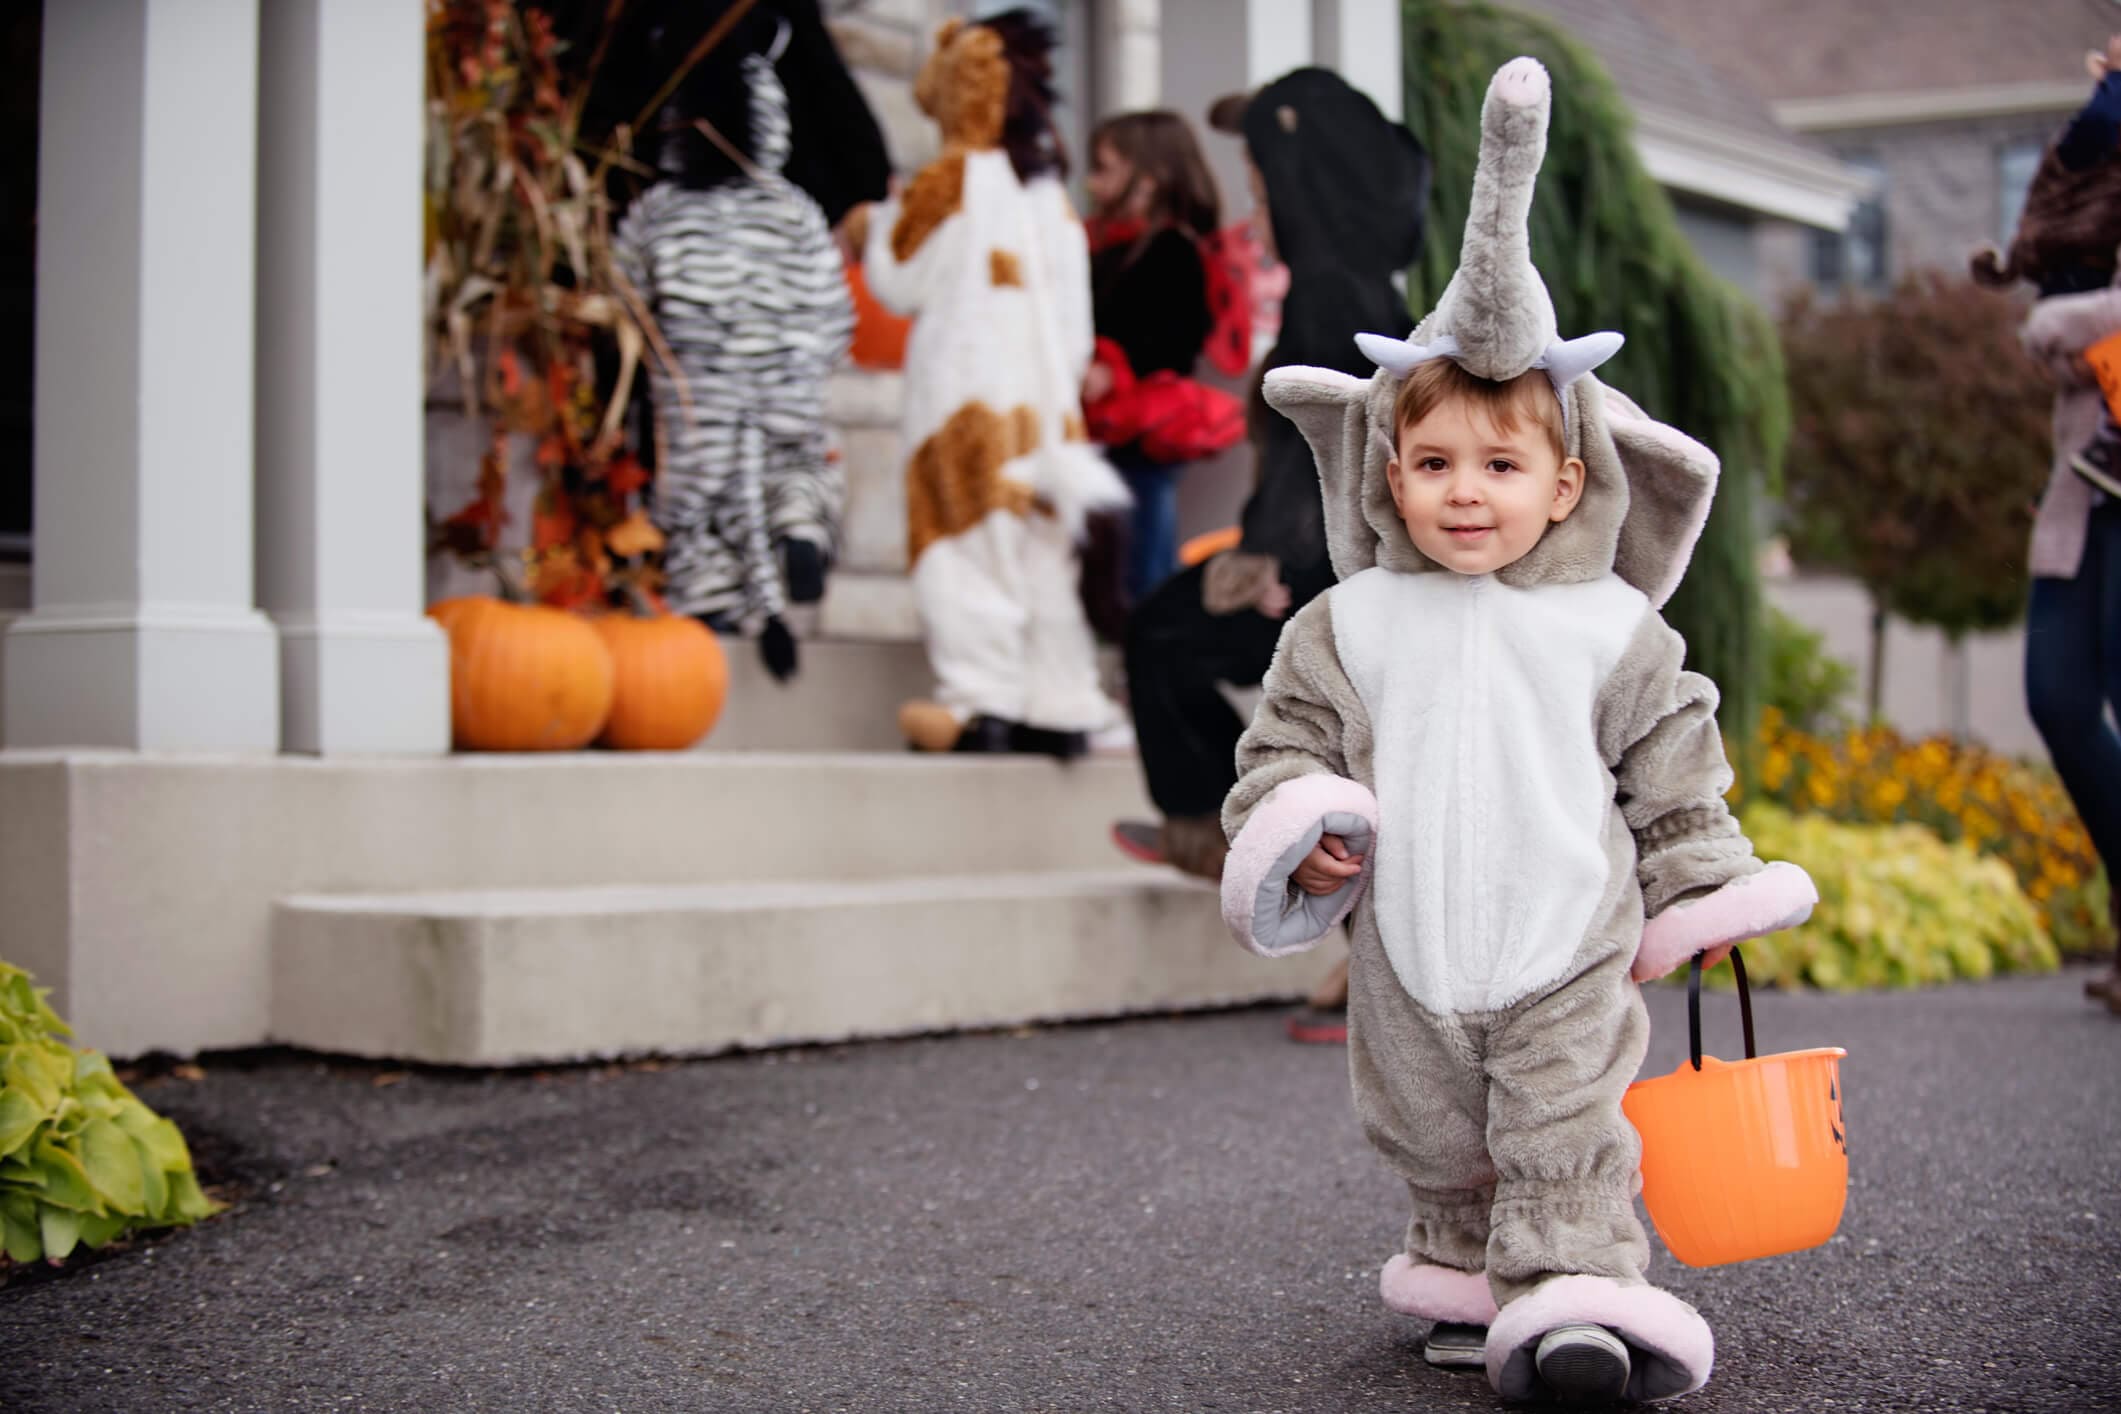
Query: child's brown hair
{"type": "Point", "coordinates": [1529, 394]}
{"type": "Point", "coordinates": [1159, 144]}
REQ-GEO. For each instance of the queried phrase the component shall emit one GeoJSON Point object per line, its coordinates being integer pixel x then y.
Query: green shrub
{"type": "Point", "coordinates": [81, 1159]}
{"type": "Point", "coordinates": [2013, 810]}
{"type": "Point", "coordinates": [1806, 684]}
{"type": "Point", "coordinates": [1898, 907]}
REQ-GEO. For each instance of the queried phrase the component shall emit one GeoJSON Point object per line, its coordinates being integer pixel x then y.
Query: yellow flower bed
{"type": "Point", "coordinates": [1898, 907]}
{"type": "Point", "coordinates": [2005, 809]}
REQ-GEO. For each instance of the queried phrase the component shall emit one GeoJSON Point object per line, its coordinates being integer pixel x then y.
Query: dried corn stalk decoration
{"type": "Point", "coordinates": [527, 309]}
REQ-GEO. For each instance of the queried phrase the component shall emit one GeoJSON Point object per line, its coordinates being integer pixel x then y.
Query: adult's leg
{"type": "Point", "coordinates": [2072, 673]}
{"type": "Point", "coordinates": [1176, 654]}
{"type": "Point", "coordinates": [1565, 1247]}
{"type": "Point", "coordinates": [2103, 549]}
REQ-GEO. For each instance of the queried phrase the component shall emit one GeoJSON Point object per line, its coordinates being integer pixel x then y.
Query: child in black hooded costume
{"type": "Point", "coordinates": [1345, 190]}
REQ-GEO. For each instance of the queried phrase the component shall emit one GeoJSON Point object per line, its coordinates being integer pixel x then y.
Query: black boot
{"type": "Point", "coordinates": [1044, 741]}
{"type": "Point", "coordinates": [987, 734]}
{"type": "Point", "coordinates": [803, 565]}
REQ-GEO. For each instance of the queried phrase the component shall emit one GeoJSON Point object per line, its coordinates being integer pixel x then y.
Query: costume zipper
{"type": "Point", "coordinates": [1463, 923]}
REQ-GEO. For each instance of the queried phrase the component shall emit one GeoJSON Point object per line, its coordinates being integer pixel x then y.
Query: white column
{"type": "Point", "coordinates": [340, 445]}
{"type": "Point", "coordinates": [1215, 47]}
{"type": "Point", "coordinates": [1359, 40]}
{"type": "Point", "coordinates": [1277, 38]}
{"type": "Point", "coordinates": [142, 632]}
{"type": "Point", "coordinates": [1129, 56]}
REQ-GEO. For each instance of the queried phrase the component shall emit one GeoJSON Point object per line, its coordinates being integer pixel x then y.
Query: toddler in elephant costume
{"type": "Point", "coordinates": [1482, 744]}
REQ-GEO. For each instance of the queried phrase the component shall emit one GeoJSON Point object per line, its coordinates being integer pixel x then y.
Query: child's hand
{"type": "Point", "coordinates": [1327, 866]}
{"type": "Point", "coordinates": [1715, 955]}
{"type": "Point", "coordinates": [853, 231]}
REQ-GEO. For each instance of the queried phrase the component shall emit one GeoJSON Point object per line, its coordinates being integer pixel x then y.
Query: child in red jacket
{"type": "Point", "coordinates": [1154, 205]}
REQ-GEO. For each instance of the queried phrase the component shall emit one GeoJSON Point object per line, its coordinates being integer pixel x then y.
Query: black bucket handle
{"type": "Point", "coordinates": [1693, 1006]}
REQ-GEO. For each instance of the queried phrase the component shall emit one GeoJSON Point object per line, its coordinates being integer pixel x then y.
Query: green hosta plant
{"type": "Point", "coordinates": [1898, 907]}
{"type": "Point", "coordinates": [81, 1159]}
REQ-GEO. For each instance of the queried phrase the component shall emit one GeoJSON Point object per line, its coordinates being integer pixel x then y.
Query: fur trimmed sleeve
{"type": "Point", "coordinates": [910, 235]}
{"type": "Point", "coordinates": [1293, 789]}
{"type": "Point", "coordinates": [1702, 886]}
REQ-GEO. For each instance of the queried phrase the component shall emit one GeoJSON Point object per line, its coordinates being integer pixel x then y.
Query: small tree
{"type": "Point", "coordinates": [1918, 449]}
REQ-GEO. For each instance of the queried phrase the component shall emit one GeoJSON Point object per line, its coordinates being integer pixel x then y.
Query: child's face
{"type": "Point", "coordinates": [1475, 496]}
{"type": "Point", "coordinates": [1112, 183]}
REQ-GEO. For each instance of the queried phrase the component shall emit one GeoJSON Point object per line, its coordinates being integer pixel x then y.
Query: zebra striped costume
{"type": "Point", "coordinates": [749, 291]}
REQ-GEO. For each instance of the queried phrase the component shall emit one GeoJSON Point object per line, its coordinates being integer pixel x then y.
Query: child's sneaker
{"type": "Point", "coordinates": [1456, 1345]}
{"type": "Point", "coordinates": [2099, 460]}
{"type": "Point", "coordinates": [1140, 840]}
{"type": "Point", "coordinates": [1319, 1026]}
{"type": "Point", "coordinates": [1583, 1365]}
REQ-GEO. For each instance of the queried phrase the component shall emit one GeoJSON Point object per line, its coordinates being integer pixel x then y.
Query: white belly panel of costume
{"type": "Point", "coordinates": [1491, 795]}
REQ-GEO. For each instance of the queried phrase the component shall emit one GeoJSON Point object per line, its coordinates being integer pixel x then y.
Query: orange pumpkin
{"type": "Point", "coordinates": [523, 677]}
{"type": "Point", "coordinates": [672, 681]}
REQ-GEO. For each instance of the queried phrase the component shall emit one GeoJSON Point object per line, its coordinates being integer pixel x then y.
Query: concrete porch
{"type": "Point", "coordinates": [481, 910]}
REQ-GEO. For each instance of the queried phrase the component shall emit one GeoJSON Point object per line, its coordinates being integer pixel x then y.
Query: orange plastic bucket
{"type": "Point", "coordinates": [1742, 1159]}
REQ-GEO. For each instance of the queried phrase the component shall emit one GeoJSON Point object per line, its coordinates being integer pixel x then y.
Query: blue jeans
{"type": "Point", "coordinates": [1152, 529]}
{"type": "Point", "coordinates": [2073, 676]}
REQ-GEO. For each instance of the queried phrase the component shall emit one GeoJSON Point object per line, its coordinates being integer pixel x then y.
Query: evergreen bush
{"type": "Point", "coordinates": [1808, 686]}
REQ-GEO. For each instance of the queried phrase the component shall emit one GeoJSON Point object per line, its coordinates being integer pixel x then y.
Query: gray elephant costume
{"type": "Point", "coordinates": [1537, 787]}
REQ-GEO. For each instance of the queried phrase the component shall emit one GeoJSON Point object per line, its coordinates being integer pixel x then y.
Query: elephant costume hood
{"type": "Point", "coordinates": [1647, 487]}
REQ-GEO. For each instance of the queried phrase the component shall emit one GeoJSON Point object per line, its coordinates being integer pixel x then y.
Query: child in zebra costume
{"type": "Point", "coordinates": [748, 290]}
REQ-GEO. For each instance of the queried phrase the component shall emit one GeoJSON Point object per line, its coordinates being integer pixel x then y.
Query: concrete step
{"type": "Point", "coordinates": [536, 975]}
{"type": "Point", "coordinates": [845, 696]}
{"type": "Point", "coordinates": [864, 408]}
{"type": "Point", "coordinates": [727, 817]}
{"type": "Point", "coordinates": [142, 886]}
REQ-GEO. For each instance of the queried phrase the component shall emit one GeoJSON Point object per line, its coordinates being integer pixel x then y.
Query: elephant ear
{"type": "Point", "coordinates": [1331, 409]}
{"type": "Point", "coordinates": [1671, 480]}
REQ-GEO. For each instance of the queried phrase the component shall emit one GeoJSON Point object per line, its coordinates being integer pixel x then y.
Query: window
{"type": "Point", "coordinates": [2015, 164]}
{"type": "Point", "coordinates": [1855, 259]}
